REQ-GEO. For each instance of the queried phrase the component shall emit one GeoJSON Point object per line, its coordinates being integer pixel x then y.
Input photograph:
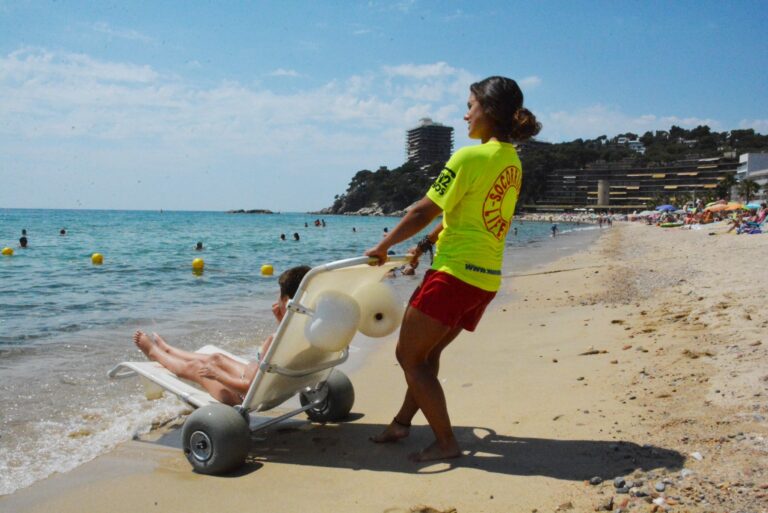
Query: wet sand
{"type": "Point", "coordinates": [641, 357]}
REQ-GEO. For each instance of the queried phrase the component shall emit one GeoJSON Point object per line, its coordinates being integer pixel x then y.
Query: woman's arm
{"type": "Point", "coordinates": [417, 218]}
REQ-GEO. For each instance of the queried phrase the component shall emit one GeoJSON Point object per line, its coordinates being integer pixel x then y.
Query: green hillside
{"type": "Point", "coordinates": [393, 190]}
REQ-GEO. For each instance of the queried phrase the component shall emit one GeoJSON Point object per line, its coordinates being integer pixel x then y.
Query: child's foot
{"type": "Point", "coordinates": [436, 452]}
{"type": "Point", "coordinates": [392, 433]}
{"type": "Point", "coordinates": [144, 343]}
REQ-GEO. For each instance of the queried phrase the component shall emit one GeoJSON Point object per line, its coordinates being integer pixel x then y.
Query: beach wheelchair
{"type": "Point", "coordinates": [333, 303]}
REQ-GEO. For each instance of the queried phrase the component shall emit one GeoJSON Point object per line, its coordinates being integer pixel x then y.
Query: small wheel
{"type": "Point", "coordinates": [216, 439]}
{"type": "Point", "coordinates": [338, 402]}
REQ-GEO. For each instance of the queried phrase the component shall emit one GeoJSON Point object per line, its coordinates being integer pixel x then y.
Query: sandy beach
{"type": "Point", "coordinates": [641, 358]}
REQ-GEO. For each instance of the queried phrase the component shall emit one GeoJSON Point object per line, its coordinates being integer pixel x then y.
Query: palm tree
{"type": "Point", "coordinates": [725, 185]}
{"type": "Point", "coordinates": [747, 188]}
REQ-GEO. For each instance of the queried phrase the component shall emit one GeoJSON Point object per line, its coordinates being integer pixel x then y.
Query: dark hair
{"type": "Point", "coordinates": [290, 280]}
{"type": "Point", "coordinates": [502, 101]}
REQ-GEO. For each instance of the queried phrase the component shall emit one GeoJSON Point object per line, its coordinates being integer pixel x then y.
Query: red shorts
{"type": "Point", "coordinates": [449, 300]}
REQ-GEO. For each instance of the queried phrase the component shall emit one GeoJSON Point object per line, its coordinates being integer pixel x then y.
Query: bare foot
{"type": "Point", "coordinates": [144, 343]}
{"type": "Point", "coordinates": [436, 452]}
{"type": "Point", "coordinates": [392, 433]}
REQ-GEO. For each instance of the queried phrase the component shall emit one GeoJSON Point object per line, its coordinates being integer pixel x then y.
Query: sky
{"type": "Point", "coordinates": [220, 105]}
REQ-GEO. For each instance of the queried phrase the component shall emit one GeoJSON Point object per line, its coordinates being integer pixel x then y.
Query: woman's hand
{"type": "Point", "coordinates": [379, 253]}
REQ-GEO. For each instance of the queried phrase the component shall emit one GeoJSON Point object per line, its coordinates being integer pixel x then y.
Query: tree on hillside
{"type": "Point", "coordinates": [700, 131]}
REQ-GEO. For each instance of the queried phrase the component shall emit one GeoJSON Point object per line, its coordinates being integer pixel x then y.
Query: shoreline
{"type": "Point", "coordinates": [537, 405]}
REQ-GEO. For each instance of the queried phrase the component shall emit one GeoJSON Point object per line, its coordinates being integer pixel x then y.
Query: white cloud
{"type": "Point", "coordinates": [531, 82]}
{"type": "Point", "coordinates": [600, 119]}
{"type": "Point", "coordinates": [72, 111]}
{"type": "Point", "coordinates": [35, 64]}
{"type": "Point", "coordinates": [129, 34]}
{"type": "Point", "coordinates": [760, 125]}
{"type": "Point", "coordinates": [281, 72]}
{"type": "Point", "coordinates": [421, 71]}
{"type": "Point", "coordinates": [361, 32]}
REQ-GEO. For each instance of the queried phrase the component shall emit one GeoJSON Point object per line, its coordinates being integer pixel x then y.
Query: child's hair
{"type": "Point", "coordinates": [290, 280]}
{"type": "Point", "coordinates": [502, 101]}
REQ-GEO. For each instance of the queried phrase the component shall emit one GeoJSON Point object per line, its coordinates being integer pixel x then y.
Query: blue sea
{"type": "Point", "coordinates": [65, 322]}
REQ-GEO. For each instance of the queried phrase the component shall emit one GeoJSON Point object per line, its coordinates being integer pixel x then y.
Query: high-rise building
{"type": "Point", "coordinates": [429, 143]}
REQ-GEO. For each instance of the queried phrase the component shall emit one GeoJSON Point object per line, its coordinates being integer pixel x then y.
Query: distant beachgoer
{"type": "Point", "coordinates": [23, 242]}
{"type": "Point", "coordinates": [24, 231]}
{"type": "Point", "coordinates": [323, 222]}
{"type": "Point", "coordinates": [282, 236]}
{"type": "Point", "coordinates": [226, 379]}
{"type": "Point", "coordinates": [62, 232]}
{"type": "Point", "coordinates": [466, 272]}
{"type": "Point", "coordinates": [554, 230]}
{"type": "Point", "coordinates": [514, 231]}
{"type": "Point", "coordinates": [353, 229]}
{"type": "Point", "coordinates": [199, 246]}
{"type": "Point", "coordinates": [306, 225]}
{"type": "Point", "coordinates": [296, 236]}
{"type": "Point", "coordinates": [736, 222]}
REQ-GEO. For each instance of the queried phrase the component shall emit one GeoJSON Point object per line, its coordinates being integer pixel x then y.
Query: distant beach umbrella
{"type": "Point", "coordinates": [666, 208]}
{"type": "Point", "coordinates": [752, 206]}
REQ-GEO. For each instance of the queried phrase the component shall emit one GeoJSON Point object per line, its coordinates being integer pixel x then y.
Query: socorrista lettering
{"type": "Point", "coordinates": [496, 212]}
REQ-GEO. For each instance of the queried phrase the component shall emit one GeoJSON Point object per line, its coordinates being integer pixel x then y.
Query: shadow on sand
{"type": "Point", "coordinates": [347, 445]}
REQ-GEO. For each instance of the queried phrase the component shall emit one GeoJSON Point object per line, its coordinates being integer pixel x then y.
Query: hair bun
{"type": "Point", "coordinates": [525, 125]}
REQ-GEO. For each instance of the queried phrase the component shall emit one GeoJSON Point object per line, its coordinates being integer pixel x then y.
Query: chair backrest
{"type": "Point", "coordinates": [290, 348]}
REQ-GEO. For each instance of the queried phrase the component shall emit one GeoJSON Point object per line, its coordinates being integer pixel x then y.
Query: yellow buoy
{"type": "Point", "coordinates": [267, 270]}
{"type": "Point", "coordinates": [198, 265]}
{"type": "Point", "coordinates": [7, 251]}
{"type": "Point", "coordinates": [97, 259]}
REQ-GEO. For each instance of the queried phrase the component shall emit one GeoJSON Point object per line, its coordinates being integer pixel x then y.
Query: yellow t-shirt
{"type": "Point", "coordinates": [477, 190]}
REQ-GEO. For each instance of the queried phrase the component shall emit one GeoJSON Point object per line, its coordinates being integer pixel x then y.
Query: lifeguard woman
{"type": "Point", "coordinates": [476, 193]}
